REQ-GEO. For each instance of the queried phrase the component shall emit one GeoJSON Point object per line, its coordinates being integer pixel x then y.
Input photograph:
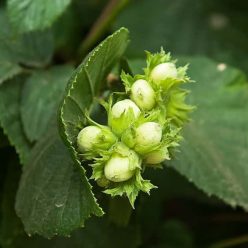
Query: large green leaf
{"type": "Point", "coordinates": [12, 234]}
{"type": "Point", "coordinates": [54, 197]}
{"type": "Point", "coordinates": [10, 117]}
{"type": "Point", "coordinates": [29, 15]}
{"type": "Point", "coordinates": [214, 151]}
{"type": "Point", "coordinates": [40, 98]}
{"type": "Point", "coordinates": [187, 27]}
{"type": "Point", "coordinates": [84, 85]}
{"type": "Point", "coordinates": [33, 49]}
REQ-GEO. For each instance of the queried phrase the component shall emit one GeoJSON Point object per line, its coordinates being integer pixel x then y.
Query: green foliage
{"type": "Point", "coordinates": [31, 49]}
{"type": "Point", "coordinates": [10, 116]}
{"type": "Point", "coordinates": [71, 197]}
{"type": "Point", "coordinates": [60, 196]}
{"type": "Point", "coordinates": [41, 95]}
{"type": "Point", "coordinates": [86, 83]}
{"type": "Point", "coordinates": [16, 51]}
{"type": "Point", "coordinates": [8, 70]}
{"type": "Point", "coordinates": [29, 15]}
{"type": "Point", "coordinates": [87, 80]}
{"type": "Point", "coordinates": [12, 234]}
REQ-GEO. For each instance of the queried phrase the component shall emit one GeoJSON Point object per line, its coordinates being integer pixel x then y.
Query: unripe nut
{"type": "Point", "coordinates": [163, 71]}
{"type": "Point", "coordinates": [122, 106]}
{"type": "Point", "coordinates": [87, 137]}
{"type": "Point", "coordinates": [158, 156]}
{"type": "Point", "coordinates": [143, 94]}
{"type": "Point", "coordinates": [149, 133]}
{"type": "Point", "coordinates": [117, 169]}
{"type": "Point", "coordinates": [103, 182]}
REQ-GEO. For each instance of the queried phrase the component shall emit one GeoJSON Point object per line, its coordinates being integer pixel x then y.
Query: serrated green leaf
{"type": "Point", "coordinates": [29, 15]}
{"type": "Point", "coordinates": [86, 81]}
{"type": "Point", "coordinates": [10, 117]}
{"type": "Point", "coordinates": [34, 49]}
{"type": "Point", "coordinates": [84, 84]}
{"type": "Point", "coordinates": [41, 95]}
{"type": "Point", "coordinates": [54, 197]}
{"type": "Point", "coordinates": [12, 234]}
{"type": "Point", "coordinates": [214, 152]}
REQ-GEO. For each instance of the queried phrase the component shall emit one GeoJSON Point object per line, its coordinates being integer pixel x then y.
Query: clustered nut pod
{"type": "Point", "coordinates": [142, 130]}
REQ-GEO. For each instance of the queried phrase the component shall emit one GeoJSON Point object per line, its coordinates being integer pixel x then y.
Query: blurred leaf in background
{"type": "Point", "coordinates": [30, 15]}
{"type": "Point", "coordinates": [189, 27]}
{"type": "Point", "coordinates": [214, 151]}
{"type": "Point", "coordinates": [32, 49]}
{"type": "Point", "coordinates": [19, 51]}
